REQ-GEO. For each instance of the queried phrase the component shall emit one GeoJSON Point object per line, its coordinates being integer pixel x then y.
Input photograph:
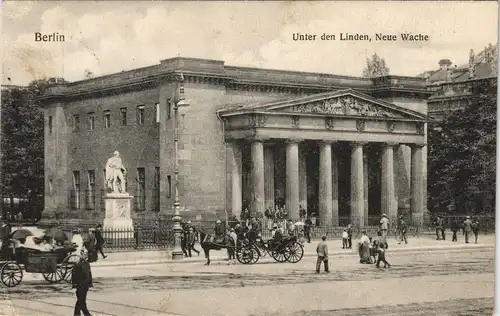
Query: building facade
{"type": "Point", "coordinates": [252, 138]}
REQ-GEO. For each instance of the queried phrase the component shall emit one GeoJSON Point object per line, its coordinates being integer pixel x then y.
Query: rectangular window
{"type": "Point", "coordinates": [75, 195]}
{"type": "Point", "coordinates": [157, 189]}
{"type": "Point", "coordinates": [107, 119]}
{"type": "Point", "coordinates": [51, 189]}
{"type": "Point", "coordinates": [140, 115]}
{"type": "Point", "coordinates": [91, 117]}
{"type": "Point", "coordinates": [169, 187]}
{"type": "Point", "coordinates": [157, 112]}
{"type": "Point", "coordinates": [141, 190]}
{"type": "Point", "coordinates": [91, 190]}
{"type": "Point", "coordinates": [50, 125]}
{"type": "Point", "coordinates": [104, 178]}
{"type": "Point", "coordinates": [123, 116]}
{"type": "Point", "coordinates": [169, 109]}
{"type": "Point", "coordinates": [76, 123]}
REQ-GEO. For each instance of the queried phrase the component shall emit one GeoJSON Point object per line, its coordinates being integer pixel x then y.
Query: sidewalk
{"type": "Point", "coordinates": [416, 244]}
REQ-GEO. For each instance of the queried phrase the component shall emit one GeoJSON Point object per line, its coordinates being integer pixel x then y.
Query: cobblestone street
{"type": "Point", "coordinates": [426, 281]}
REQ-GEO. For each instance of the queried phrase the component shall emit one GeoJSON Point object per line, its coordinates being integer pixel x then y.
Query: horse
{"type": "Point", "coordinates": [207, 243]}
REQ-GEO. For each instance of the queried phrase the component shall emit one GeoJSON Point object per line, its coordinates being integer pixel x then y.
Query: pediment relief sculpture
{"type": "Point", "coordinates": [345, 105]}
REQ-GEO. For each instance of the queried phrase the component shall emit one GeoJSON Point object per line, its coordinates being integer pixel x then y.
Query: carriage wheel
{"type": "Point", "coordinates": [255, 255]}
{"type": "Point", "coordinates": [295, 252]}
{"type": "Point", "coordinates": [245, 255]}
{"type": "Point", "coordinates": [11, 274]}
{"type": "Point", "coordinates": [55, 277]}
{"type": "Point", "coordinates": [279, 255]}
{"type": "Point", "coordinates": [67, 267]}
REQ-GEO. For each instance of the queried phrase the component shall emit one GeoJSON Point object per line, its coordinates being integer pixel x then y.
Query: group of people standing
{"type": "Point", "coordinates": [468, 226]}
{"type": "Point", "coordinates": [92, 245]}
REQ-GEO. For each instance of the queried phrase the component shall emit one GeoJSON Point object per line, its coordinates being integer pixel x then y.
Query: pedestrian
{"type": "Point", "coordinates": [78, 241]}
{"type": "Point", "coordinates": [302, 212]}
{"type": "Point", "coordinates": [364, 248]}
{"type": "Point", "coordinates": [90, 245]}
{"type": "Point", "coordinates": [475, 229]}
{"type": "Point", "coordinates": [100, 240]}
{"type": "Point", "coordinates": [345, 238]}
{"type": "Point", "coordinates": [349, 236]}
{"type": "Point", "coordinates": [189, 241]}
{"type": "Point", "coordinates": [440, 228]}
{"type": "Point", "coordinates": [384, 225]}
{"type": "Point", "coordinates": [81, 279]}
{"type": "Point", "coordinates": [322, 251]}
{"type": "Point", "coordinates": [307, 229]}
{"type": "Point", "coordinates": [232, 248]}
{"type": "Point", "coordinates": [467, 228]}
{"type": "Point", "coordinates": [402, 230]}
{"type": "Point", "coordinates": [381, 248]}
{"type": "Point", "coordinates": [454, 228]}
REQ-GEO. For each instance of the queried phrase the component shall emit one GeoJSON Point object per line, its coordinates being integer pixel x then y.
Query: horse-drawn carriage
{"type": "Point", "coordinates": [288, 249]}
{"type": "Point", "coordinates": [55, 265]}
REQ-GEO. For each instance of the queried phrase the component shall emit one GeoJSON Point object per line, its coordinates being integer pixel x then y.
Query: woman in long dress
{"type": "Point", "coordinates": [364, 248]}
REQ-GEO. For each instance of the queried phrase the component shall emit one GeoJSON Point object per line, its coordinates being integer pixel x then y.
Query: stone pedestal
{"type": "Point", "coordinates": [117, 221]}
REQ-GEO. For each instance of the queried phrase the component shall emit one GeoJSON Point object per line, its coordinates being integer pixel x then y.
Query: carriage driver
{"type": "Point", "coordinates": [219, 231]}
{"type": "Point", "coordinates": [277, 237]}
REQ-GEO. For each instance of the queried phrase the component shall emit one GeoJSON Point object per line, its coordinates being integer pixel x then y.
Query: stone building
{"type": "Point", "coordinates": [452, 87]}
{"type": "Point", "coordinates": [347, 148]}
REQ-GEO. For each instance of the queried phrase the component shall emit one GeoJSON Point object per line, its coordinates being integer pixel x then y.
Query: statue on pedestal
{"type": "Point", "coordinates": [115, 174]}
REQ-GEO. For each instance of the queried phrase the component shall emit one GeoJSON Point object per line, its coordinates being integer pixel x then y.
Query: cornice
{"type": "Point", "coordinates": [202, 71]}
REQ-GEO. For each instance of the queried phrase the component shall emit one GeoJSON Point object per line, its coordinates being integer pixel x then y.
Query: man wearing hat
{"type": "Point", "coordinates": [467, 228]}
{"type": "Point", "coordinates": [384, 225]}
{"type": "Point", "coordinates": [219, 231]}
{"type": "Point", "coordinates": [402, 230]}
{"type": "Point", "coordinates": [81, 279]}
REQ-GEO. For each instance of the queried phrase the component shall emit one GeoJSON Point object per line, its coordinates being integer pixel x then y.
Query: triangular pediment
{"type": "Point", "coordinates": [334, 103]}
{"type": "Point", "coordinates": [345, 103]}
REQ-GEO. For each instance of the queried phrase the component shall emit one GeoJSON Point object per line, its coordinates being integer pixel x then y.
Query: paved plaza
{"type": "Point", "coordinates": [438, 280]}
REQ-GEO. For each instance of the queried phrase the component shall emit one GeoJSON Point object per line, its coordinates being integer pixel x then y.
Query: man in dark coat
{"type": "Point", "coordinates": [81, 280]}
{"type": "Point", "coordinates": [454, 228]}
{"type": "Point", "coordinates": [99, 240]}
{"type": "Point", "coordinates": [307, 229]}
{"type": "Point", "coordinates": [349, 236]}
{"type": "Point", "coordinates": [440, 228]}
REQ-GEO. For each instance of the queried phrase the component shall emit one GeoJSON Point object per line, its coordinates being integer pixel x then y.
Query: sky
{"type": "Point", "coordinates": [107, 37]}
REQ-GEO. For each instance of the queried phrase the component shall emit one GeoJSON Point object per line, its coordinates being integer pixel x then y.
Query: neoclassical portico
{"type": "Point", "coordinates": [336, 124]}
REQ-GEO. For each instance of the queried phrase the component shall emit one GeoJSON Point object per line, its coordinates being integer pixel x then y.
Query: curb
{"type": "Point", "coordinates": [306, 255]}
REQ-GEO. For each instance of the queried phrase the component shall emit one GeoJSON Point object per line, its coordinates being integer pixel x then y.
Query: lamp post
{"type": "Point", "coordinates": [181, 106]}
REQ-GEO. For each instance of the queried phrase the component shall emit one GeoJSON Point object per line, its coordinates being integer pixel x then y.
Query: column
{"type": "Point", "coordinates": [257, 178]}
{"type": "Point", "coordinates": [269, 176]}
{"type": "Point", "coordinates": [365, 187]}
{"type": "Point", "coordinates": [388, 202]}
{"type": "Point", "coordinates": [292, 180]}
{"type": "Point", "coordinates": [235, 160]}
{"type": "Point", "coordinates": [357, 185]}
{"type": "Point", "coordinates": [325, 184]}
{"type": "Point", "coordinates": [303, 177]}
{"type": "Point", "coordinates": [335, 188]}
{"type": "Point", "coordinates": [417, 184]}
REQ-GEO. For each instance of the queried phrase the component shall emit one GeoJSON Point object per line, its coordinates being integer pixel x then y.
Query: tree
{"type": "Point", "coordinates": [375, 67]}
{"type": "Point", "coordinates": [462, 155]}
{"type": "Point", "coordinates": [23, 146]}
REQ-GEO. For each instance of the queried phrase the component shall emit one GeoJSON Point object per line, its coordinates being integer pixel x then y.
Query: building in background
{"type": "Point", "coordinates": [347, 148]}
{"type": "Point", "coordinates": [453, 86]}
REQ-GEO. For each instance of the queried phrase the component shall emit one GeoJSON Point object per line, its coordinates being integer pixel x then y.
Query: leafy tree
{"type": "Point", "coordinates": [23, 147]}
{"type": "Point", "coordinates": [462, 155]}
{"type": "Point", "coordinates": [375, 67]}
